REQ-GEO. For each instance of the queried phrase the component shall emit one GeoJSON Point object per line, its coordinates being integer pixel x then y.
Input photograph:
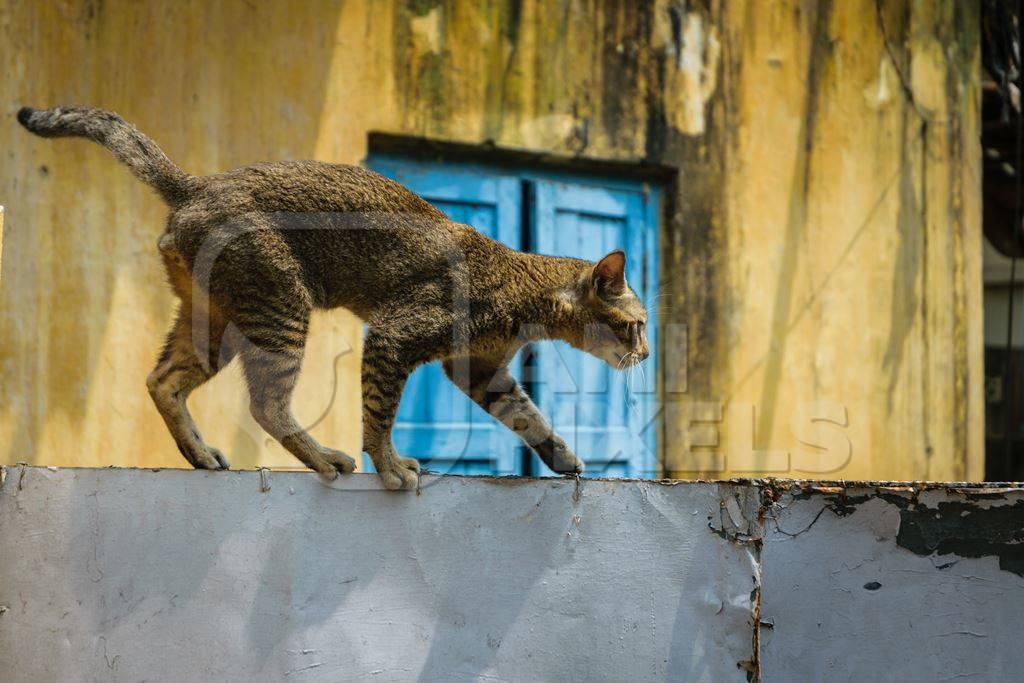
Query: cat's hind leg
{"type": "Point", "coordinates": [387, 363]}
{"type": "Point", "coordinates": [275, 332]}
{"type": "Point", "coordinates": [180, 369]}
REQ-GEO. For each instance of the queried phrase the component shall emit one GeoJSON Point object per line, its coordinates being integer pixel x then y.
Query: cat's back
{"type": "Point", "coordinates": [319, 209]}
{"type": "Point", "coordinates": [357, 238]}
{"type": "Point", "coordinates": [315, 186]}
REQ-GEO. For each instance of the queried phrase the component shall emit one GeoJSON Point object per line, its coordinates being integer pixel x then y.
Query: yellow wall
{"type": "Point", "coordinates": [823, 243]}
{"type": "Point", "coordinates": [843, 247]}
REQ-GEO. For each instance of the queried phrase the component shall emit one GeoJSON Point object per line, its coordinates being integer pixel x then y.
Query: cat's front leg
{"type": "Point", "coordinates": [490, 385]}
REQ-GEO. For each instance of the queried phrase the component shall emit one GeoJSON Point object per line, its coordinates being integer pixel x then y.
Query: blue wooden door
{"type": "Point", "coordinates": [437, 423]}
{"type": "Point", "coordinates": [604, 415]}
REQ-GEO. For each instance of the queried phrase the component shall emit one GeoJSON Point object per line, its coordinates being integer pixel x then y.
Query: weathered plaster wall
{"type": "Point", "coordinates": [123, 575]}
{"type": "Point", "coordinates": [822, 248]}
{"type": "Point", "coordinates": [897, 582]}
{"type": "Point", "coordinates": [827, 254]}
{"type": "Point", "coordinates": [130, 574]}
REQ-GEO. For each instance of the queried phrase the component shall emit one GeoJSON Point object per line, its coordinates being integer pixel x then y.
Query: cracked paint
{"type": "Point", "coordinates": [966, 521]}
{"type": "Point", "coordinates": [696, 50]}
{"type": "Point", "coordinates": [920, 578]}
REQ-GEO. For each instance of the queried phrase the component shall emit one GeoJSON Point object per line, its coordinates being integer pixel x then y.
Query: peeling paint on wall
{"type": "Point", "coordinates": [977, 523]}
{"type": "Point", "coordinates": [922, 581]}
{"type": "Point", "coordinates": [426, 31]}
{"type": "Point", "coordinates": [697, 52]}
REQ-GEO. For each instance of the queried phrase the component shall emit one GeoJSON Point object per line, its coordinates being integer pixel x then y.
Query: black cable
{"type": "Point", "coordinates": [528, 238]}
{"type": "Point", "coordinates": [1009, 392]}
{"type": "Point", "coordinates": [1009, 402]}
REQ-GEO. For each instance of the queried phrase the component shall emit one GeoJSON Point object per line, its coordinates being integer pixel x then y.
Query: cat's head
{"type": "Point", "coordinates": [614, 319]}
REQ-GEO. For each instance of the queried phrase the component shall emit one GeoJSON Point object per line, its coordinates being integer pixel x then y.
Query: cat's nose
{"type": "Point", "coordinates": [644, 354]}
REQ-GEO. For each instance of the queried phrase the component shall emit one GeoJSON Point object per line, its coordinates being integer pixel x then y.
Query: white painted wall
{"type": "Point", "coordinates": [132, 574]}
{"type": "Point", "coordinates": [179, 575]}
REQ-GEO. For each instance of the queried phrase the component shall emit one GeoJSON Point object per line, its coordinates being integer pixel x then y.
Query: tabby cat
{"type": "Point", "coordinates": [252, 252]}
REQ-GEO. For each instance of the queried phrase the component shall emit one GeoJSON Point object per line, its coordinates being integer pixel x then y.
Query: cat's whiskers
{"type": "Point", "coordinates": [643, 376]}
{"type": "Point", "coordinates": [630, 398]}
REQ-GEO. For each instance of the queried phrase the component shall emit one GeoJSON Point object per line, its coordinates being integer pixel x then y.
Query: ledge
{"type": "Point", "coordinates": [123, 574]}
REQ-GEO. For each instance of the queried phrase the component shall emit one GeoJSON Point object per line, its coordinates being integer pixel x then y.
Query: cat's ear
{"type": "Point", "coordinates": [609, 274]}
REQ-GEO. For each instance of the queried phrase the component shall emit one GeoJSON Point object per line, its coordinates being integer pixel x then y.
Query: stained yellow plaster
{"type": "Point", "coordinates": [823, 250]}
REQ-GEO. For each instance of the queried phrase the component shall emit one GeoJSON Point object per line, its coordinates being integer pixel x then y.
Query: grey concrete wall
{"type": "Point", "coordinates": [180, 575]}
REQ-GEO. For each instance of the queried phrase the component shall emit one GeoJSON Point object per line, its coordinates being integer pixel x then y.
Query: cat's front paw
{"type": "Point", "coordinates": [400, 473]}
{"type": "Point", "coordinates": [570, 464]}
{"type": "Point", "coordinates": [559, 457]}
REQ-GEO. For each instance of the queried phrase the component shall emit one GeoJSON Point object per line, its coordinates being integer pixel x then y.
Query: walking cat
{"type": "Point", "coordinates": [252, 252]}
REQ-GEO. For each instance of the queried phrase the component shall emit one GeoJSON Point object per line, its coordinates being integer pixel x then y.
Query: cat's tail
{"type": "Point", "coordinates": [138, 152]}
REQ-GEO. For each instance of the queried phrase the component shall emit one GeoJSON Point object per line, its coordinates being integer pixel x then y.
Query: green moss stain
{"type": "Point", "coordinates": [421, 67]}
